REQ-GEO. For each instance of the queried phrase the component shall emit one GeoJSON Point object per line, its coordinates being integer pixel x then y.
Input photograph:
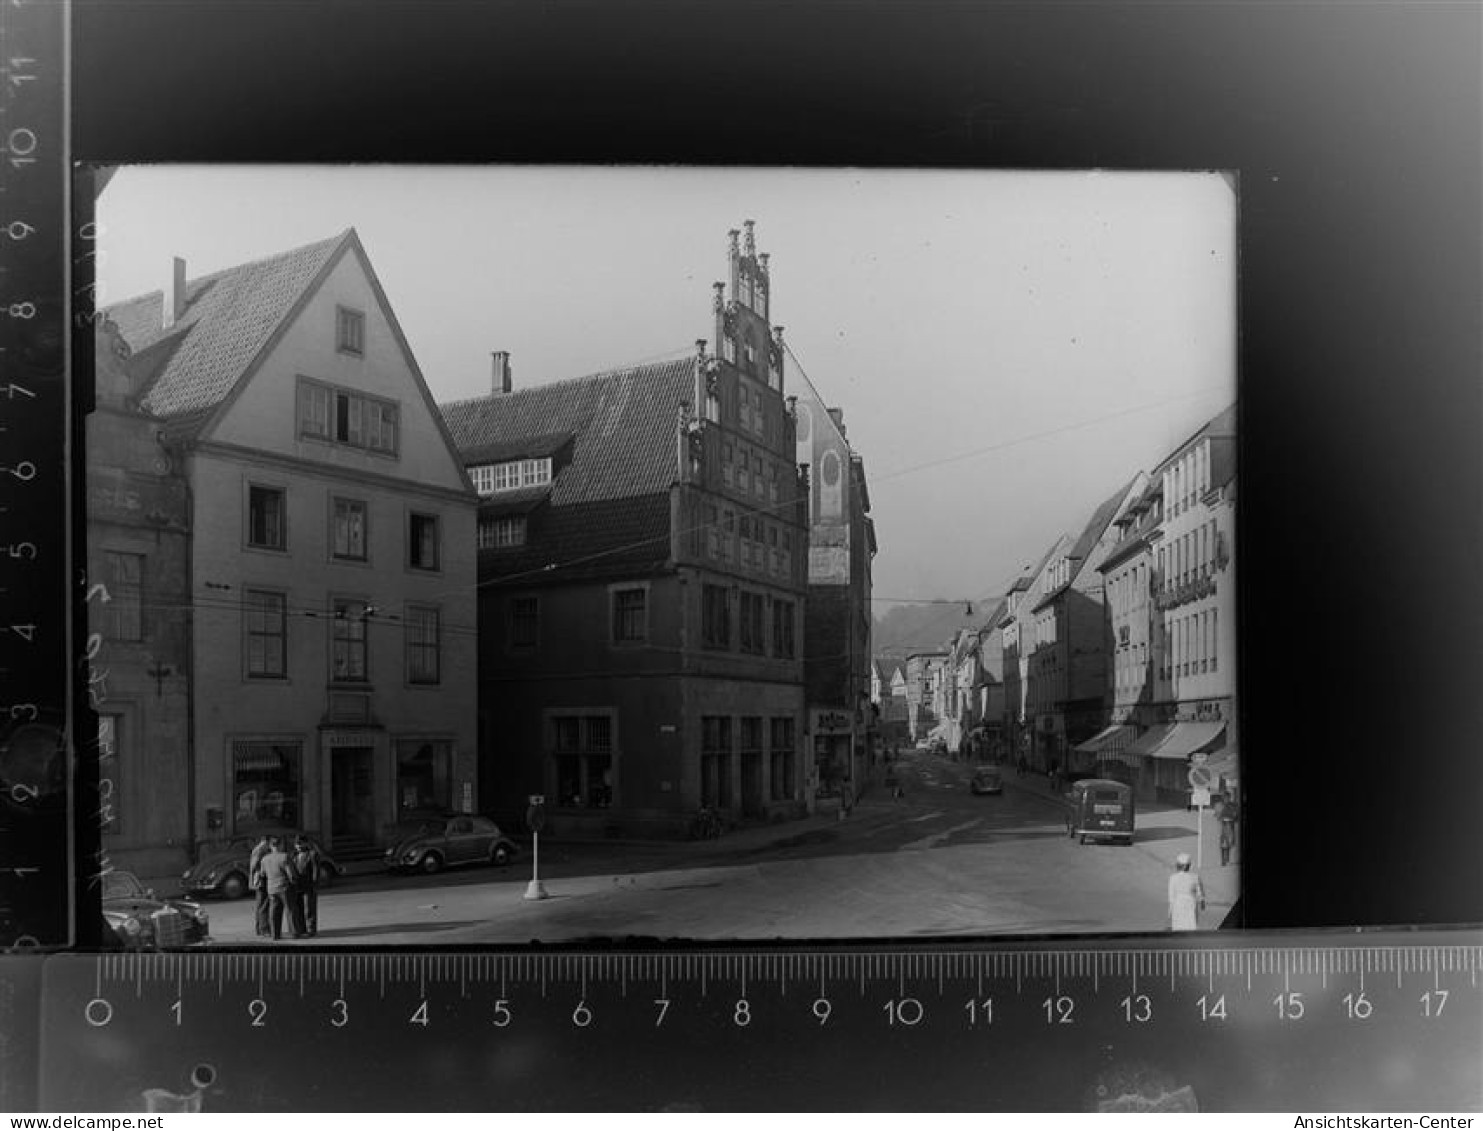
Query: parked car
{"type": "Point", "coordinates": [140, 921]}
{"type": "Point", "coordinates": [450, 841]}
{"type": "Point", "coordinates": [224, 871]}
{"type": "Point", "coordinates": [986, 779]}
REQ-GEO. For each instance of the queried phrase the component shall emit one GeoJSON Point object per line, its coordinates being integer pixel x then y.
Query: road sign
{"type": "Point", "coordinates": [1101, 1025]}
{"type": "Point", "coordinates": [1200, 797]}
{"type": "Point", "coordinates": [535, 816]}
{"type": "Point", "coordinates": [1200, 777]}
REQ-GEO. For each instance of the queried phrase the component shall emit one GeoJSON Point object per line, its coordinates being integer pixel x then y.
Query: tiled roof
{"type": "Point", "coordinates": [228, 318]}
{"type": "Point", "coordinates": [609, 502]}
{"type": "Point", "coordinates": [533, 447]}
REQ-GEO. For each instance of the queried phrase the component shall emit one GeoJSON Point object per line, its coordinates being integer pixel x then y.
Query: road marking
{"type": "Point", "coordinates": [926, 816]}
{"type": "Point", "coordinates": [937, 838]}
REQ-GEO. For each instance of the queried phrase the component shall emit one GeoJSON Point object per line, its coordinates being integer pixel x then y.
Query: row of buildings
{"type": "Point", "coordinates": [1115, 653]}
{"type": "Point", "coordinates": [330, 603]}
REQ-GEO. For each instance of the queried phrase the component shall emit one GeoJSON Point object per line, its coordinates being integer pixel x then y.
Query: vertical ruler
{"type": "Point", "coordinates": [36, 527]}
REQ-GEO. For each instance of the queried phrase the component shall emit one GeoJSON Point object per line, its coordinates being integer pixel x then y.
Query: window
{"type": "Point", "coordinates": [630, 616]}
{"type": "Point", "coordinates": [344, 417]}
{"type": "Point", "coordinates": [423, 543]}
{"type": "Point", "coordinates": [753, 638]}
{"type": "Point", "coordinates": [350, 331]}
{"type": "Point", "coordinates": [501, 533]}
{"type": "Point", "coordinates": [712, 533]}
{"type": "Point", "coordinates": [1214, 635]}
{"type": "Point", "coordinates": [265, 622]}
{"type": "Point", "coordinates": [492, 478]}
{"type": "Point", "coordinates": [122, 615]}
{"type": "Point", "coordinates": [266, 528]}
{"type": "Point", "coordinates": [715, 628]}
{"type": "Point", "coordinates": [350, 530]}
{"type": "Point", "coordinates": [726, 465]}
{"type": "Point", "coordinates": [583, 755]}
{"type": "Point", "coordinates": [782, 630]}
{"type": "Point", "coordinates": [781, 753]}
{"type": "Point", "coordinates": [525, 622]}
{"type": "Point", "coordinates": [348, 641]}
{"type": "Point", "coordinates": [315, 403]}
{"type": "Point", "coordinates": [424, 775]}
{"type": "Point", "coordinates": [265, 785]}
{"type": "Point", "coordinates": [715, 761]}
{"type": "Point", "coordinates": [423, 630]}
{"type": "Point", "coordinates": [109, 731]}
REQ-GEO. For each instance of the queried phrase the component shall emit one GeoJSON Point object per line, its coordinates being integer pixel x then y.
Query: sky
{"type": "Point", "coordinates": [1008, 348]}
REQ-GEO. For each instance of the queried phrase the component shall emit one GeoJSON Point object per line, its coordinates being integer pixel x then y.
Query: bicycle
{"type": "Point", "coordinates": [706, 824]}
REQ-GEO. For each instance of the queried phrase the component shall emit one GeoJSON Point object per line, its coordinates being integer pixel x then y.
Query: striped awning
{"type": "Point", "coordinates": [1113, 740]}
{"type": "Point", "coordinates": [1189, 738]}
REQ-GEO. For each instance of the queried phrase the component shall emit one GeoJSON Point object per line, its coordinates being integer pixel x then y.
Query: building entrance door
{"type": "Point", "coordinates": [352, 808]}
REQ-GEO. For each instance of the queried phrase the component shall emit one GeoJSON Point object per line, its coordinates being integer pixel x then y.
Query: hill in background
{"type": "Point", "coordinates": [905, 629]}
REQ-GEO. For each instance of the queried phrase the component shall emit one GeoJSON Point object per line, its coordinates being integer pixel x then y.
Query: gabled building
{"type": "Point", "coordinates": [923, 688]}
{"type": "Point", "coordinates": [643, 567]}
{"type": "Point", "coordinates": [331, 565]}
{"type": "Point", "coordinates": [842, 546]}
{"type": "Point", "coordinates": [1069, 661]}
{"type": "Point", "coordinates": [1025, 693]}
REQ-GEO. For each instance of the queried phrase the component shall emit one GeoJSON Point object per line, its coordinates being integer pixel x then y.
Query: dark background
{"type": "Point", "coordinates": [1355, 133]}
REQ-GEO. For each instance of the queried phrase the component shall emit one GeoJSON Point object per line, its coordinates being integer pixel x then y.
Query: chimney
{"type": "Point", "coordinates": [499, 378]}
{"type": "Point", "coordinates": [174, 305]}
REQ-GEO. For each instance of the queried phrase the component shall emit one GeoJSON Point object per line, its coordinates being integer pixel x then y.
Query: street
{"type": "Point", "coordinates": [937, 862]}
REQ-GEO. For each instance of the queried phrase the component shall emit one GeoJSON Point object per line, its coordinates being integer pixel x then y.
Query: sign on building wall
{"type": "Point", "coordinates": [823, 448]}
{"type": "Point", "coordinates": [831, 722]}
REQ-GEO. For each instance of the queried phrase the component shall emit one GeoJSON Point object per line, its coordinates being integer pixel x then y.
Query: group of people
{"type": "Point", "coordinates": [285, 879]}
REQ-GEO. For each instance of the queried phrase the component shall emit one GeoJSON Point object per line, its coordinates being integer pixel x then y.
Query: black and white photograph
{"type": "Point", "coordinates": [721, 554]}
{"type": "Point", "coordinates": [667, 558]}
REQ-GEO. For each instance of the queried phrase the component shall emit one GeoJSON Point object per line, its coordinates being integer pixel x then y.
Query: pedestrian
{"type": "Point", "coordinates": [306, 904]}
{"type": "Point", "coordinates": [279, 878]}
{"type": "Point", "coordinates": [1186, 896]}
{"type": "Point", "coordinates": [1226, 812]}
{"type": "Point", "coordinates": [255, 882]}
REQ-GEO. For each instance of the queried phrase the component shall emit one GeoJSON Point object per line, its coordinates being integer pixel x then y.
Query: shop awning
{"type": "Point", "coordinates": [1149, 740]}
{"type": "Point", "coordinates": [1110, 741]}
{"type": "Point", "coordinates": [1187, 738]}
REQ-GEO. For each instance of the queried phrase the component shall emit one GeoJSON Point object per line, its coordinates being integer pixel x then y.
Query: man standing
{"type": "Point", "coordinates": [1226, 812]}
{"type": "Point", "coordinates": [1186, 896]}
{"type": "Point", "coordinates": [306, 863]}
{"type": "Point", "coordinates": [255, 881]}
{"type": "Point", "coordinates": [279, 878]}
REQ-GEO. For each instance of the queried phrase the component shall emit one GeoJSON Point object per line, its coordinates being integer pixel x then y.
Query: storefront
{"type": "Point", "coordinates": [832, 731]}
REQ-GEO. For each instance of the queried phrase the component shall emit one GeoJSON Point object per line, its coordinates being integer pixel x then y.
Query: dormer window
{"type": "Point", "coordinates": [350, 331]}
{"type": "Point", "coordinates": [511, 475]}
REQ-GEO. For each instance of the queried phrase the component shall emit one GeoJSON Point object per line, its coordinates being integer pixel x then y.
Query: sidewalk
{"type": "Point", "coordinates": [1163, 832]}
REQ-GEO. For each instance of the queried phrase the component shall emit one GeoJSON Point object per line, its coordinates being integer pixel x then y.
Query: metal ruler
{"type": "Point", "coordinates": [1370, 1022]}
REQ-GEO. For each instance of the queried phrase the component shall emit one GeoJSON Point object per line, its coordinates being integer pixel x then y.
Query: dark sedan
{"type": "Point", "coordinates": [140, 921]}
{"type": "Point", "coordinates": [986, 779]}
{"type": "Point", "coordinates": [224, 871]}
{"type": "Point", "coordinates": [450, 841]}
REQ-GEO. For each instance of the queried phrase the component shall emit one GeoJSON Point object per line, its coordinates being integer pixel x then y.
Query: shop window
{"type": "Point", "coordinates": [583, 761]}
{"type": "Point", "coordinates": [265, 785]}
{"type": "Point", "coordinates": [424, 778]}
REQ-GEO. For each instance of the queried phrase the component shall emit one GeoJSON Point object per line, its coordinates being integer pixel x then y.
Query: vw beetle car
{"type": "Point", "coordinates": [986, 779]}
{"type": "Point", "coordinates": [450, 841]}
{"type": "Point", "coordinates": [224, 872]}
{"type": "Point", "coordinates": [141, 921]}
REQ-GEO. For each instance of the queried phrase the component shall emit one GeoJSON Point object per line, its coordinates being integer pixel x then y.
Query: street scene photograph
{"type": "Point", "coordinates": [501, 555]}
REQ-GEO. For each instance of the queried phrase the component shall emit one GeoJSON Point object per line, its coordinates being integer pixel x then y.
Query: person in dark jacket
{"type": "Point", "coordinates": [306, 903]}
